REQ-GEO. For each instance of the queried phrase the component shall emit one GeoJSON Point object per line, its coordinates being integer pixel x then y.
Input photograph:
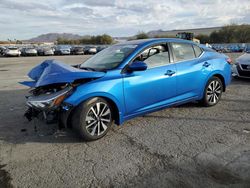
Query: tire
{"type": "Point", "coordinates": [92, 119]}
{"type": "Point", "coordinates": [213, 92]}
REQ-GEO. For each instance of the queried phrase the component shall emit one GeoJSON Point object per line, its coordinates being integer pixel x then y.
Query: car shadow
{"type": "Point", "coordinates": [240, 81]}
{"type": "Point", "coordinates": [15, 128]}
{"type": "Point", "coordinates": [195, 119]}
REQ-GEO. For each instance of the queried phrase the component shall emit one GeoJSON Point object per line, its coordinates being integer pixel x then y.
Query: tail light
{"type": "Point", "coordinates": [229, 61]}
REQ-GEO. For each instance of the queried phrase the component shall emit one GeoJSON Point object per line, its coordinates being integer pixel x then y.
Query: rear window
{"type": "Point", "coordinates": [183, 51]}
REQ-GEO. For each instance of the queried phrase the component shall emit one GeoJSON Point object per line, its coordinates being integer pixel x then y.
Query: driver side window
{"type": "Point", "coordinates": [154, 56]}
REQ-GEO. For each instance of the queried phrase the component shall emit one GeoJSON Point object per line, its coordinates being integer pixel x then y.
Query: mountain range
{"type": "Point", "coordinates": [52, 37]}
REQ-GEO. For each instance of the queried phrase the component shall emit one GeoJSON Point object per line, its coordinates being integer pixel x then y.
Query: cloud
{"type": "Point", "coordinates": [28, 18]}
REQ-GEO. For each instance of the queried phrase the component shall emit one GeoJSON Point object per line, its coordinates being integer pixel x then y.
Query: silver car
{"type": "Point", "coordinates": [29, 51]}
{"type": "Point", "coordinates": [45, 51]}
{"type": "Point", "coordinates": [62, 50]}
{"type": "Point", "coordinates": [12, 51]}
{"type": "Point", "coordinates": [241, 68]}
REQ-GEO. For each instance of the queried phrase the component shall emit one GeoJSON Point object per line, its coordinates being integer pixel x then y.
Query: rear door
{"type": "Point", "coordinates": [191, 70]}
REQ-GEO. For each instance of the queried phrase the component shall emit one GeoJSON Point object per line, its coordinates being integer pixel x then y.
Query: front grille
{"type": "Point", "coordinates": [245, 67]}
{"type": "Point", "coordinates": [245, 72]}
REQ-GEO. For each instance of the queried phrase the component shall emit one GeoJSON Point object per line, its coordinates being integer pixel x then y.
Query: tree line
{"type": "Point", "coordinates": [99, 39]}
{"type": "Point", "coordinates": [228, 34]}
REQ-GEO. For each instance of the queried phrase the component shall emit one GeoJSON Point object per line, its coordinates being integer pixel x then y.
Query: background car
{"type": "Point", "coordinates": [45, 51]}
{"type": "Point", "coordinates": [90, 50]}
{"type": "Point", "coordinates": [62, 50]}
{"type": "Point", "coordinates": [247, 49]}
{"type": "Point", "coordinates": [2, 50]}
{"type": "Point", "coordinates": [12, 51]}
{"type": "Point", "coordinates": [77, 50]}
{"type": "Point", "coordinates": [29, 51]}
{"type": "Point", "coordinates": [241, 69]}
{"type": "Point", "coordinates": [100, 48]}
{"type": "Point", "coordinates": [125, 81]}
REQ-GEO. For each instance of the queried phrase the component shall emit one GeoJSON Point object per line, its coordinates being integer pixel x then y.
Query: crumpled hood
{"type": "Point", "coordinates": [244, 59]}
{"type": "Point", "coordinates": [52, 72]}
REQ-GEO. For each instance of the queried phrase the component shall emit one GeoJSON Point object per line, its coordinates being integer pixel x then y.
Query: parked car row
{"type": "Point", "coordinates": [12, 51]}
{"type": "Point", "coordinates": [229, 48]}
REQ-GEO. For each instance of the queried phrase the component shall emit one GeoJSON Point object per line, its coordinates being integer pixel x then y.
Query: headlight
{"type": "Point", "coordinates": [48, 101]}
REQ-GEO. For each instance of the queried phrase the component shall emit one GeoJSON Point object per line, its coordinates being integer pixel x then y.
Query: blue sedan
{"type": "Point", "coordinates": [126, 80]}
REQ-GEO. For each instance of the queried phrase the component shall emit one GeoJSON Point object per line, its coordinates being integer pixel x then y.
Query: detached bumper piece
{"type": "Point", "coordinates": [31, 113]}
{"type": "Point", "coordinates": [49, 117]}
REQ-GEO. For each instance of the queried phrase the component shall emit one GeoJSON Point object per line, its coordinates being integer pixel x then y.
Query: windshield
{"type": "Point", "coordinates": [109, 58]}
{"type": "Point", "coordinates": [247, 50]}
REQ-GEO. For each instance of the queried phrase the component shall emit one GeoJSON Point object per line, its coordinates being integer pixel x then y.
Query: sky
{"type": "Point", "coordinates": [24, 19]}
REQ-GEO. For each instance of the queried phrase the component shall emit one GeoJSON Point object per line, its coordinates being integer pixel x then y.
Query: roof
{"type": "Point", "coordinates": [154, 40]}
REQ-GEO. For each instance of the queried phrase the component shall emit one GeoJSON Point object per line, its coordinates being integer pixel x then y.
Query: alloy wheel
{"type": "Point", "coordinates": [214, 91]}
{"type": "Point", "coordinates": [97, 119]}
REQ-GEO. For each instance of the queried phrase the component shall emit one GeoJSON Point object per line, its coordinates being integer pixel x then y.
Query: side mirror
{"type": "Point", "coordinates": [138, 66]}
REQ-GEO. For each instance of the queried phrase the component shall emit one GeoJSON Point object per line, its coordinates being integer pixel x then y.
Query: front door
{"type": "Point", "coordinates": [154, 87]}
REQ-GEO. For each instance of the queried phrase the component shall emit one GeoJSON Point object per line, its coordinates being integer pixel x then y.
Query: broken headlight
{"type": "Point", "coordinates": [48, 100]}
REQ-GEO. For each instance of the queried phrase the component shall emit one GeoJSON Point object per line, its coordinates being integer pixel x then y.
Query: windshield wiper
{"type": "Point", "coordinates": [88, 68]}
{"type": "Point", "coordinates": [93, 69]}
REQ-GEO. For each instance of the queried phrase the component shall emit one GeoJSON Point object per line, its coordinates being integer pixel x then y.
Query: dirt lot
{"type": "Point", "coordinates": [185, 146]}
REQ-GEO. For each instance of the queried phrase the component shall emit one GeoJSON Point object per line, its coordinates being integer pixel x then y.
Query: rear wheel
{"type": "Point", "coordinates": [213, 92]}
{"type": "Point", "coordinates": [93, 119]}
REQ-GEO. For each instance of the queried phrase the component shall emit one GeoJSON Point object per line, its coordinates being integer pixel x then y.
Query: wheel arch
{"type": "Point", "coordinates": [117, 111]}
{"type": "Point", "coordinates": [220, 76]}
{"type": "Point", "coordinates": [222, 80]}
{"type": "Point", "coordinates": [214, 74]}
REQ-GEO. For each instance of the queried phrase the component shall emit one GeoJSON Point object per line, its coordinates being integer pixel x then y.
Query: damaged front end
{"type": "Point", "coordinates": [47, 102]}
{"type": "Point", "coordinates": [52, 82]}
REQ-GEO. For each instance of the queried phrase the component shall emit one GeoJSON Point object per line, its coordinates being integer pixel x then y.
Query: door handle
{"type": "Point", "coordinates": [206, 64]}
{"type": "Point", "coordinates": [170, 72]}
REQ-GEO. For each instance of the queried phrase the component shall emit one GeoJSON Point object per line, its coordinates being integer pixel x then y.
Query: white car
{"type": "Point", "coordinates": [90, 50]}
{"type": "Point", "coordinates": [241, 68]}
{"type": "Point", "coordinates": [12, 51]}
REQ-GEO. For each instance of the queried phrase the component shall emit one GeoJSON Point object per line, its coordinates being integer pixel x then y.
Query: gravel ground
{"type": "Point", "coordinates": [184, 146]}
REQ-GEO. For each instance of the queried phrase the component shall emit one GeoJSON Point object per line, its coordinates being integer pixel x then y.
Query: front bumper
{"type": "Point", "coordinates": [48, 53]}
{"type": "Point", "coordinates": [30, 53]}
{"type": "Point", "coordinates": [49, 107]}
{"type": "Point", "coordinates": [59, 115]}
{"type": "Point", "coordinates": [65, 52]}
{"type": "Point", "coordinates": [78, 53]}
{"type": "Point", "coordinates": [239, 71]}
{"type": "Point", "coordinates": [12, 54]}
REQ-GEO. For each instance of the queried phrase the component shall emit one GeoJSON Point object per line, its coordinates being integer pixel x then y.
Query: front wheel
{"type": "Point", "coordinates": [213, 92]}
{"type": "Point", "coordinates": [93, 119]}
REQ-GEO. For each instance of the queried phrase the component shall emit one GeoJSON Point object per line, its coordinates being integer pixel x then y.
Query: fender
{"type": "Point", "coordinates": [76, 100]}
